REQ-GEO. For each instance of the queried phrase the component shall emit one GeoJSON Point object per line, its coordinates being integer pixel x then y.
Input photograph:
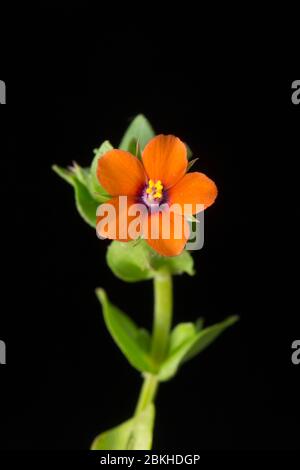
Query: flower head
{"type": "Point", "coordinates": [159, 183]}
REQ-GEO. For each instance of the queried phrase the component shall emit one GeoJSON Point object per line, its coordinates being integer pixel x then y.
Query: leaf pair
{"type": "Point", "coordinates": [186, 340]}
{"type": "Point", "coordinates": [137, 261]}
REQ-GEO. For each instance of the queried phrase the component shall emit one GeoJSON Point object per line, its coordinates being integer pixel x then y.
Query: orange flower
{"type": "Point", "coordinates": [158, 182]}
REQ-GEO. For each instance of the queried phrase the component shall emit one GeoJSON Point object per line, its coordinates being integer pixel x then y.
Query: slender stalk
{"type": "Point", "coordinates": [147, 393]}
{"type": "Point", "coordinates": [163, 308]}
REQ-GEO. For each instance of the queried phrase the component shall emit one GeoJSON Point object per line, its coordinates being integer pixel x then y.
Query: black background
{"type": "Point", "coordinates": [73, 80]}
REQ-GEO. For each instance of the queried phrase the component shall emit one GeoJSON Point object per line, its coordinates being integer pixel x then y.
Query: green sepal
{"type": "Point", "coordinates": [189, 152]}
{"type": "Point", "coordinates": [82, 174]}
{"type": "Point", "coordinates": [191, 163]}
{"type": "Point", "coordinates": [65, 173]}
{"type": "Point", "coordinates": [134, 434]}
{"type": "Point", "coordinates": [186, 341]}
{"type": "Point", "coordinates": [134, 342]}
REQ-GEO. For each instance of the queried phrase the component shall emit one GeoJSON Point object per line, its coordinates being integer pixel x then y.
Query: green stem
{"type": "Point", "coordinates": [147, 393]}
{"type": "Point", "coordinates": [163, 308]}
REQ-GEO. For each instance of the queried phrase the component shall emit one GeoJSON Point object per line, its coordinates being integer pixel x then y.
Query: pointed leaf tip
{"type": "Point", "coordinates": [64, 173]}
{"type": "Point", "coordinates": [187, 341]}
{"type": "Point", "coordinates": [101, 294]}
{"type": "Point", "coordinates": [140, 130]}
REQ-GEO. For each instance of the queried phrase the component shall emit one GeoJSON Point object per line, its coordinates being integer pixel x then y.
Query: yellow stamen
{"type": "Point", "coordinates": [154, 190]}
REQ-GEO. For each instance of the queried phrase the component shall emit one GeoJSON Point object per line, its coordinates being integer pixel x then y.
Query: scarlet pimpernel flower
{"type": "Point", "coordinates": [160, 182]}
{"type": "Point", "coordinates": [126, 196]}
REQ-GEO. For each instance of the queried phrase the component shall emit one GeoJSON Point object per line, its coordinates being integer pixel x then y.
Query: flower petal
{"type": "Point", "coordinates": [120, 173]}
{"type": "Point", "coordinates": [165, 159]}
{"type": "Point", "coordinates": [113, 219]}
{"type": "Point", "coordinates": [166, 240]}
{"type": "Point", "coordinates": [192, 189]}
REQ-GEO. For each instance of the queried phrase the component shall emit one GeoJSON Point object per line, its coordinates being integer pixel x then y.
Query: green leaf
{"type": "Point", "coordinates": [136, 261]}
{"type": "Point", "coordinates": [96, 189]}
{"type": "Point", "coordinates": [130, 261]}
{"type": "Point", "coordinates": [208, 335]}
{"type": "Point", "coordinates": [180, 264]}
{"type": "Point", "coordinates": [85, 203]}
{"type": "Point", "coordinates": [144, 339]}
{"type": "Point", "coordinates": [180, 334]}
{"type": "Point", "coordinates": [134, 434]}
{"type": "Point", "coordinates": [141, 130]}
{"type": "Point", "coordinates": [129, 338]}
{"type": "Point", "coordinates": [184, 344]}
